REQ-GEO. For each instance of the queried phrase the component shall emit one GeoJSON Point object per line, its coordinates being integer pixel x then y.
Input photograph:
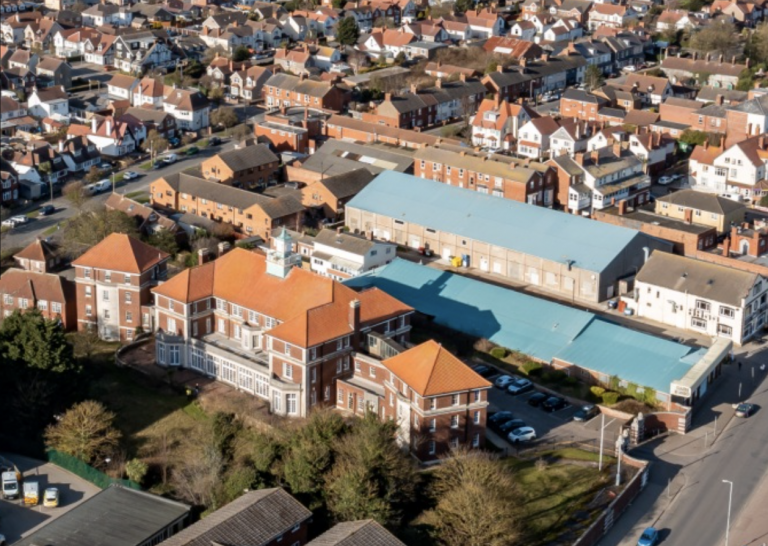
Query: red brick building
{"type": "Point", "coordinates": [252, 167]}
{"type": "Point", "coordinates": [581, 105]}
{"type": "Point", "coordinates": [114, 279]}
{"type": "Point", "coordinates": [295, 131]}
{"type": "Point", "coordinates": [346, 128]}
{"type": "Point", "coordinates": [287, 90]}
{"type": "Point", "coordinates": [52, 295]}
{"type": "Point", "coordinates": [439, 402]}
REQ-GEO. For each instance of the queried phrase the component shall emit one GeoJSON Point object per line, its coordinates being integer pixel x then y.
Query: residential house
{"type": "Point", "coordinates": [329, 194]}
{"type": "Point", "coordinates": [484, 23]}
{"type": "Point", "coordinates": [600, 179]}
{"type": "Point", "coordinates": [141, 52]}
{"type": "Point", "coordinates": [523, 30]}
{"type": "Point", "coordinates": [650, 89]}
{"type": "Point", "coordinates": [287, 90]}
{"type": "Point", "coordinates": [79, 154]}
{"type": "Point", "coordinates": [38, 35]}
{"type": "Point", "coordinates": [9, 183]}
{"type": "Point", "coordinates": [610, 15]}
{"type": "Point", "coordinates": [579, 104]}
{"type": "Point", "coordinates": [533, 183]}
{"type": "Point", "coordinates": [387, 42]}
{"type": "Point", "coordinates": [220, 69]}
{"type": "Point", "coordinates": [264, 517]}
{"type": "Point", "coordinates": [746, 119]}
{"type": "Point", "coordinates": [292, 131]}
{"type": "Point", "coordinates": [114, 279]}
{"type": "Point", "coordinates": [730, 97]}
{"type": "Point", "coordinates": [50, 71]}
{"type": "Point", "coordinates": [10, 109]}
{"type": "Point", "coordinates": [133, 517]}
{"type": "Point", "coordinates": [427, 107]}
{"type": "Point", "coordinates": [497, 123]}
{"type": "Point", "coordinates": [100, 15]}
{"type": "Point", "coordinates": [340, 255]}
{"type": "Point", "coordinates": [676, 20]}
{"type": "Point", "coordinates": [121, 86]}
{"type": "Point", "coordinates": [514, 47]}
{"type": "Point", "coordinates": [701, 208]}
{"type": "Point", "coordinates": [428, 31]}
{"type": "Point", "coordinates": [249, 213]}
{"type": "Point", "coordinates": [159, 120]}
{"type": "Point", "coordinates": [113, 136]}
{"type": "Point", "coordinates": [534, 137]}
{"type": "Point", "coordinates": [190, 108]}
{"type": "Point", "coordinates": [22, 58]}
{"type": "Point", "coordinates": [655, 150]}
{"type": "Point", "coordinates": [148, 93]}
{"type": "Point", "coordinates": [38, 256]}
{"type": "Point", "coordinates": [295, 61]}
{"type": "Point", "coordinates": [356, 533]}
{"type": "Point", "coordinates": [249, 83]}
{"type": "Point", "coordinates": [148, 220]}
{"type": "Point", "coordinates": [346, 128]}
{"type": "Point", "coordinates": [279, 332]}
{"type": "Point", "coordinates": [711, 299]}
{"type": "Point", "coordinates": [596, 53]}
{"type": "Point", "coordinates": [571, 137]}
{"type": "Point", "coordinates": [718, 74]}
{"type": "Point", "coordinates": [536, 77]}
{"type": "Point", "coordinates": [326, 59]}
{"type": "Point", "coordinates": [561, 260]}
{"type": "Point", "coordinates": [738, 169]}
{"type": "Point", "coordinates": [748, 14]}
{"type": "Point", "coordinates": [252, 167]}
{"type": "Point", "coordinates": [441, 402]}
{"type": "Point", "coordinates": [12, 28]}
{"type": "Point", "coordinates": [51, 294]}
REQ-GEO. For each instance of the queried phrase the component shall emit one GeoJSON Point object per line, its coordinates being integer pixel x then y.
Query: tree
{"type": "Point", "coordinates": [757, 46]}
{"type": "Point", "coordinates": [339, 4]}
{"type": "Point", "coordinates": [693, 137]}
{"type": "Point", "coordinates": [216, 94]}
{"type": "Point", "coordinates": [468, 480]}
{"type": "Point", "coordinates": [84, 431]}
{"type": "Point", "coordinates": [93, 175]}
{"type": "Point", "coordinates": [211, 53]}
{"type": "Point", "coordinates": [593, 77]}
{"type": "Point", "coordinates": [718, 37]}
{"type": "Point", "coordinates": [241, 54]}
{"type": "Point", "coordinates": [31, 340]}
{"type": "Point", "coordinates": [371, 476]}
{"type": "Point", "coordinates": [85, 343]}
{"type": "Point", "coordinates": [225, 116]}
{"type": "Point", "coordinates": [85, 230]}
{"type": "Point", "coordinates": [347, 31]}
{"type": "Point", "coordinates": [74, 192]}
{"type": "Point", "coordinates": [136, 469]}
{"type": "Point", "coordinates": [165, 241]}
{"type": "Point", "coordinates": [44, 169]}
{"type": "Point", "coordinates": [155, 143]}
{"type": "Point", "coordinates": [239, 132]}
{"type": "Point", "coordinates": [463, 6]}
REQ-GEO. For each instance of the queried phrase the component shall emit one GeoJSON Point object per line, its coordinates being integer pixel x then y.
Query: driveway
{"type": "Point", "coordinates": [17, 521]}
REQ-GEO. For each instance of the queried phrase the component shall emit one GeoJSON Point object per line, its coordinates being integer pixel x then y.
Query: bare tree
{"type": "Point", "coordinates": [75, 194]}
{"type": "Point", "coordinates": [84, 431]}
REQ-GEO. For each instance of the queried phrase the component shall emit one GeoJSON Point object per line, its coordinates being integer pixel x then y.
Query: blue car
{"type": "Point", "coordinates": [650, 537]}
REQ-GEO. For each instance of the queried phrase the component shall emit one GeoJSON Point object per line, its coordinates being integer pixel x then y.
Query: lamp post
{"type": "Point", "coordinates": [728, 521]}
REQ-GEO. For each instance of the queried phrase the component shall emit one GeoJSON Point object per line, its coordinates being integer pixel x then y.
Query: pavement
{"type": "Point", "coordinates": [18, 521]}
{"type": "Point", "coordinates": [21, 236]}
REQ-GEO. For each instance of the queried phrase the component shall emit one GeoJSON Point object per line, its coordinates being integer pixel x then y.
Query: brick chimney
{"type": "Point", "coordinates": [388, 97]}
{"type": "Point", "coordinates": [202, 256]}
{"type": "Point", "coordinates": [354, 315]}
{"type": "Point", "coordinates": [719, 100]}
{"type": "Point", "coordinates": [688, 216]}
{"type": "Point", "coordinates": [223, 248]}
{"type": "Point", "coordinates": [761, 142]}
{"type": "Point", "coordinates": [622, 207]}
{"type": "Point", "coordinates": [617, 149]}
{"type": "Point", "coordinates": [579, 158]}
{"type": "Point", "coordinates": [727, 247]}
{"type": "Point", "coordinates": [414, 88]}
{"type": "Point", "coordinates": [462, 77]}
{"type": "Point", "coordinates": [439, 83]}
{"type": "Point", "coordinates": [595, 157]}
{"type": "Point", "coordinates": [500, 68]}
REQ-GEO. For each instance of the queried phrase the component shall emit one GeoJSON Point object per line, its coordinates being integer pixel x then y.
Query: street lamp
{"type": "Point", "coordinates": [728, 521]}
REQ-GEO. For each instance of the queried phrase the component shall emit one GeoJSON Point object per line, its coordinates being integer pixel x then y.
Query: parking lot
{"type": "Point", "coordinates": [554, 427]}
{"type": "Point", "coordinates": [17, 520]}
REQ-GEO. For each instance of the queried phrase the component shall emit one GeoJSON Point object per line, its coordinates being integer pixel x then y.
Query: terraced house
{"type": "Point", "coordinates": [286, 90]}
{"type": "Point", "coordinates": [271, 329]}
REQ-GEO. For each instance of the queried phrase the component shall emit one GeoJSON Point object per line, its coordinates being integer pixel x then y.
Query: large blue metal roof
{"type": "Point", "coordinates": [534, 326]}
{"type": "Point", "coordinates": [532, 230]}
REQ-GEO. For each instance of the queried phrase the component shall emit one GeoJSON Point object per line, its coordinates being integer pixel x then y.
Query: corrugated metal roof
{"type": "Point", "coordinates": [536, 327]}
{"type": "Point", "coordinates": [532, 230]}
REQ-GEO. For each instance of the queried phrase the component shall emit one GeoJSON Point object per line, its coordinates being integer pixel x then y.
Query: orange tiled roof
{"type": "Point", "coordinates": [430, 370]}
{"type": "Point", "coordinates": [38, 251]}
{"type": "Point", "coordinates": [310, 308]}
{"type": "Point", "coordinates": [119, 252]}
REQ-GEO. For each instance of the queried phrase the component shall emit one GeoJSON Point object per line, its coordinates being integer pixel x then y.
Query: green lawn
{"type": "Point", "coordinates": [577, 455]}
{"type": "Point", "coordinates": [50, 231]}
{"type": "Point", "coordinates": [551, 496]}
{"type": "Point", "coordinates": [146, 166]}
{"type": "Point", "coordinates": [135, 194]}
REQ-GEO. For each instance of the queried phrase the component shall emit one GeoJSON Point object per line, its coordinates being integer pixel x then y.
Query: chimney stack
{"type": "Point", "coordinates": [94, 124]}
{"type": "Point", "coordinates": [595, 157]}
{"type": "Point", "coordinates": [61, 146]}
{"type": "Point", "coordinates": [719, 100]}
{"type": "Point", "coordinates": [223, 248]}
{"type": "Point", "coordinates": [579, 158]}
{"type": "Point", "coordinates": [500, 68]}
{"type": "Point", "coordinates": [622, 207]}
{"type": "Point", "coordinates": [688, 216]}
{"type": "Point", "coordinates": [462, 77]}
{"type": "Point", "coordinates": [354, 315]}
{"type": "Point", "coordinates": [388, 97]}
{"type": "Point", "coordinates": [617, 149]}
{"type": "Point", "coordinates": [727, 247]}
{"type": "Point", "coordinates": [109, 126]}
{"type": "Point", "coordinates": [414, 88]}
{"type": "Point", "coordinates": [439, 83]}
{"type": "Point", "coordinates": [202, 256]}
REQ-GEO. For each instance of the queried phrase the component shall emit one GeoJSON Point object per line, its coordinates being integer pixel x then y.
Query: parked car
{"type": "Point", "coordinates": [14, 221]}
{"type": "Point", "coordinates": [98, 187]}
{"type": "Point", "coordinates": [130, 175]}
{"type": "Point", "coordinates": [745, 410]}
{"type": "Point", "coordinates": [554, 403]}
{"type": "Point", "coordinates": [45, 210]}
{"type": "Point", "coordinates": [174, 142]}
{"type": "Point", "coordinates": [520, 386]}
{"type": "Point", "coordinates": [51, 497]}
{"type": "Point", "coordinates": [158, 164]}
{"type": "Point", "coordinates": [483, 370]}
{"type": "Point", "coordinates": [499, 417]}
{"type": "Point", "coordinates": [650, 537]}
{"type": "Point", "coordinates": [512, 424]}
{"type": "Point", "coordinates": [104, 166]}
{"type": "Point", "coordinates": [192, 150]}
{"type": "Point", "coordinates": [504, 381]}
{"type": "Point", "coordinates": [666, 180]}
{"type": "Point", "coordinates": [629, 68]}
{"type": "Point", "coordinates": [537, 399]}
{"type": "Point", "coordinates": [523, 434]}
{"type": "Point", "coordinates": [170, 159]}
{"type": "Point", "coordinates": [214, 141]}
{"type": "Point", "coordinates": [9, 223]}
{"type": "Point", "coordinates": [585, 413]}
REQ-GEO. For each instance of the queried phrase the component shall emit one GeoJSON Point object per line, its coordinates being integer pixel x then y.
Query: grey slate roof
{"type": "Point", "coordinates": [344, 241]}
{"type": "Point", "coordinates": [248, 157]}
{"type": "Point", "coordinates": [707, 202]}
{"type": "Point", "coordinates": [192, 183]}
{"type": "Point", "coordinates": [312, 88]}
{"type": "Point", "coordinates": [254, 519]}
{"type": "Point", "coordinates": [349, 183]}
{"type": "Point", "coordinates": [706, 280]}
{"type": "Point", "coordinates": [356, 533]}
{"type": "Point", "coordinates": [758, 105]}
{"type": "Point", "coordinates": [583, 96]}
{"type": "Point", "coordinates": [709, 94]}
{"type": "Point", "coordinates": [116, 516]}
{"type": "Point", "coordinates": [337, 157]}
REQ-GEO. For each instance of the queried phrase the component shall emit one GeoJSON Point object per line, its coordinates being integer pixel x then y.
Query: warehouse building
{"type": "Point", "coordinates": [573, 258]}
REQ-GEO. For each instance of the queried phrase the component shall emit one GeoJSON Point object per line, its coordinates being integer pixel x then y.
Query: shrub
{"type": "Point", "coordinates": [136, 470]}
{"type": "Point", "coordinates": [559, 376]}
{"type": "Point", "coordinates": [532, 368]}
{"type": "Point", "coordinates": [571, 381]}
{"type": "Point", "coordinates": [649, 396]}
{"type": "Point", "coordinates": [498, 352]}
{"type": "Point", "coordinates": [631, 390]}
{"type": "Point", "coordinates": [610, 398]}
{"type": "Point", "coordinates": [597, 392]}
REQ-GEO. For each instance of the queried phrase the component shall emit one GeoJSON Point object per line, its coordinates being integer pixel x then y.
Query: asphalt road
{"type": "Point", "coordinates": [21, 236]}
{"type": "Point", "coordinates": [17, 521]}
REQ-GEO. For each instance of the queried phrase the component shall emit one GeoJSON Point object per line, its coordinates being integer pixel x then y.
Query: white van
{"type": "Point", "coordinates": [98, 187]}
{"type": "Point", "coordinates": [170, 159]}
{"type": "Point", "coordinates": [733, 197]}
